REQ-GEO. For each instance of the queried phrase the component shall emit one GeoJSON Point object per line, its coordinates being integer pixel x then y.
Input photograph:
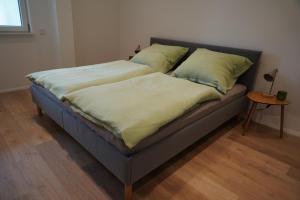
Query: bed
{"type": "Point", "coordinates": [130, 165]}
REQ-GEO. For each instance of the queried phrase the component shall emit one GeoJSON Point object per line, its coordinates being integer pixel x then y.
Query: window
{"type": "Point", "coordinates": [14, 16]}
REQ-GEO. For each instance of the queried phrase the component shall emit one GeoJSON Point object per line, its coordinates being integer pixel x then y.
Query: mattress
{"type": "Point", "coordinates": [193, 115]}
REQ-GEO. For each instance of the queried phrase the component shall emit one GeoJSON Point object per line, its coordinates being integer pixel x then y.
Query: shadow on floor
{"type": "Point", "coordinates": [107, 181]}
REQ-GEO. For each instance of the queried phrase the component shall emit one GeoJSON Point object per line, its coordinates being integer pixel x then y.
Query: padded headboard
{"type": "Point", "coordinates": [246, 79]}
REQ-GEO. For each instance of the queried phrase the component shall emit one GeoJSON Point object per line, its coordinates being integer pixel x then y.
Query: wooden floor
{"type": "Point", "coordinates": [38, 160]}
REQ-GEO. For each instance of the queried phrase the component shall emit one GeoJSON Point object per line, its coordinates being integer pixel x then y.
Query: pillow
{"type": "Point", "coordinates": [219, 70]}
{"type": "Point", "coordinates": [161, 58]}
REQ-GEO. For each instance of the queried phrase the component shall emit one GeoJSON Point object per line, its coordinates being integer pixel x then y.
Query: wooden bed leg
{"type": "Point", "coordinates": [127, 192]}
{"type": "Point", "coordinates": [39, 111]}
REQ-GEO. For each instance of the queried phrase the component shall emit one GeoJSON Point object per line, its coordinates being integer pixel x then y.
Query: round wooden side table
{"type": "Point", "coordinates": [259, 98]}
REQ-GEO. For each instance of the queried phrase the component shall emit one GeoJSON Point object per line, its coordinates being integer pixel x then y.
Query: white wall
{"type": "Point", "coordinates": [56, 24]}
{"type": "Point", "coordinates": [66, 46]}
{"type": "Point", "coordinates": [272, 26]}
{"type": "Point", "coordinates": [51, 45]}
{"type": "Point", "coordinates": [96, 30]}
{"type": "Point", "coordinates": [20, 54]}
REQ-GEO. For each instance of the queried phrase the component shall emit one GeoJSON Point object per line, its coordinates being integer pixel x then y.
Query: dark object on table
{"type": "Point", "coordinates": [138, 49]}
{"type": "Point", "coordinates": [270, 77]}
{"type": "Point", "coordinates": [281, 95]}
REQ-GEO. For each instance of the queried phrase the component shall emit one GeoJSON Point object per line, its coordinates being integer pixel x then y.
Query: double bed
{"type": "Point", "coordinates": [131, 164]}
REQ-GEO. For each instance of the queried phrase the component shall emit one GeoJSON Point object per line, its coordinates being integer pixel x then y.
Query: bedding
{"type": "Point", "coordinates": [161, 58]}
{"type": "Point", "coordinates": [63, 81]}
{"type": "Point", "coordinates": [195, 114]}
{"type": "Point", "coordinates": [134, 109]}
{"type": "Point", "coordinates": [219, 70]}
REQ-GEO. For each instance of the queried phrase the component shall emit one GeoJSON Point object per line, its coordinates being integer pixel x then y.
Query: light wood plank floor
{"type": "Point", "coordinates": [38, 160]}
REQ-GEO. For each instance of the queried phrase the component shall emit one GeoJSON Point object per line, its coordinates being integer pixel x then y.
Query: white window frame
{"type": "Point", "coordinates": [25, 27]}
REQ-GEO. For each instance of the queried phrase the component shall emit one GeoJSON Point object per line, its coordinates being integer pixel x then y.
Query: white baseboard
{"type": "Point", "coordinates": [14, 89]}
{"type": "Point", "coordinates": [276, 126]}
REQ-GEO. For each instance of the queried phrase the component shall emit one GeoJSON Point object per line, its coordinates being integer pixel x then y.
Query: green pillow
{"type": "Point", "coordinates": [219, 70]}
{"type": "Point", "coordinates": [161, 58]}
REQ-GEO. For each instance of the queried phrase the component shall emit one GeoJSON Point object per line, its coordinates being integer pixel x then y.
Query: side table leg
{"type": "Point", "coordinates": [281, 121]}
{"type": "Point", "coordinates": [250, 115]}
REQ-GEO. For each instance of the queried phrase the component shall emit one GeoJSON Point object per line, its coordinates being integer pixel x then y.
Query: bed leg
{"type": "Point", "coordinates": [127, 192]}
{"type": "Point", "coordinates": [39, 111]}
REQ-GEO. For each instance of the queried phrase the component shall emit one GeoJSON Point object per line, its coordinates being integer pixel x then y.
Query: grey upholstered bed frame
{"type": "Point", "coordinates": [130, 168]}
